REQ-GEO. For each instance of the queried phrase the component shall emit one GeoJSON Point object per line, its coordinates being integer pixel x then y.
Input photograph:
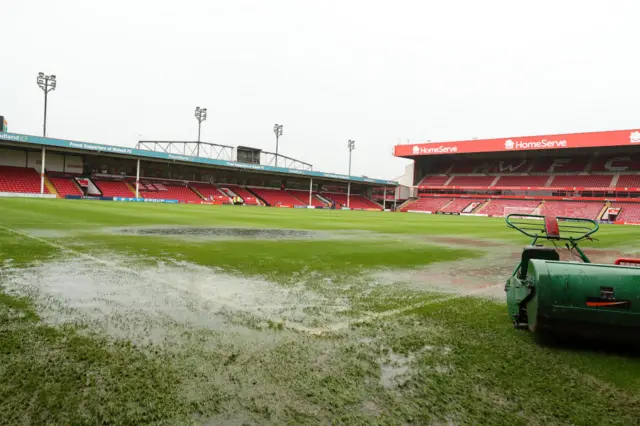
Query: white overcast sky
{"type": "Point", "coordinates": [378, 72]}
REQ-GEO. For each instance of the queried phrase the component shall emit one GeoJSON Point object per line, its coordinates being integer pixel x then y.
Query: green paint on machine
{"type": "Point", "coordinates": [547, 295]}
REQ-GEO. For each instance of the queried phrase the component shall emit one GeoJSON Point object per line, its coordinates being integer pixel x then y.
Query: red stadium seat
{"type": "Point", "coordinates": [114, 188]}
{"type": "Point", "coordinates": [522, 181]}
{"type": "Point", "coordinates": [356, 201]}
{"type": "Point", "coordinates": [498, 207]}
{"type": "Point", "coordinates": [629, 212]}
{"type": "Point", "coordinates": [170, 191]}
{"type": "Point", "coordinates": [482, 181]}
{"type": "Point", "coordinates": [65, 186]}
{"type": "Point", "coordinates": [304, 197]}
{"type": "Point", "coordinates": [20, 179]}
{"type": "Point", "coordinates": [628, 181]}
{"type": "Point", "coordinates": [581, 181]}
{"type": "Point", "coordinates": [246, 196]}
{"type": "Point", "coordinates": [277, 197]}
{"type": "Point", "coordinates": [433, 181]}
{"type": "Point", "coordinates": [577, 209]}
{"type": "Point", "coordinates": [458, 204]}
{"type": "Point", "coordinates": [426, 204]}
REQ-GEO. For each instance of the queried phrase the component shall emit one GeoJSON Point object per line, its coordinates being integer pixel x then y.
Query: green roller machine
{"type": "Point", "coordinates": [548, 296]}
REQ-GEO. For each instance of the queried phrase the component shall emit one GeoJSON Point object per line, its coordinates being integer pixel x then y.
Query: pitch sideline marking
{"type": "Point", "coordinates": [379, 315]}
{"type": "Point", "coordinates": [296, 327]}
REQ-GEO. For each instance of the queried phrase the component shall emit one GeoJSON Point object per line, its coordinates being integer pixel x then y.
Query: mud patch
{"type": "Point", "coordinates": [223, 233]}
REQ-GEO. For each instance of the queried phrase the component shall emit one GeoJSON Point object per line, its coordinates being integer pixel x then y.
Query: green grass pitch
{"type": "Point", "coordinates": [125, 313]}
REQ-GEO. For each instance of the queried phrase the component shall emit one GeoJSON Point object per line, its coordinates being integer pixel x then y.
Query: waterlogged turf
{"type": "Point", "coordinates": [120, 313]}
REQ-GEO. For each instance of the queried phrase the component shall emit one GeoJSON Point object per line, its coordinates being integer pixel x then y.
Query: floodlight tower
{"type": "Point", "coordinates": [47, 83]}
{"type": "Point", "coordinates": [351, 145]}
{"type": "Point", "coordinates": [201, 115]}
{"type": "Point", "coordinates": [277, 130]}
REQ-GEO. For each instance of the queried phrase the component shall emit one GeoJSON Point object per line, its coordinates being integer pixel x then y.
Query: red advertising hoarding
{"type": "Point", "coordinates": [524, 143]}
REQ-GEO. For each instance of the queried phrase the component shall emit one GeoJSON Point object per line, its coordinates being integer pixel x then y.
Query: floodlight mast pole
{"type": "Point", "coordinates": [277, 130]}
{"type": "Point", "coordinates": [351, 145]}
{"type": "Point", "coordinates": [201, 115]}
{"type": "Point", "coordinates": [47, 83]}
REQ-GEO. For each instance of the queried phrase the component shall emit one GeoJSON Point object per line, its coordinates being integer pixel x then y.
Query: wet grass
{"type": "Point", "coordinates": [88, 215]}
{"type": "Point", "coordinates": [459, 361]}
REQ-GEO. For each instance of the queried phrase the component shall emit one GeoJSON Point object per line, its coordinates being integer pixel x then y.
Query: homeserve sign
{"type": "Point", "coordinates": [435, 150]}
{"type": "Point", "coordinates": [510, 144]}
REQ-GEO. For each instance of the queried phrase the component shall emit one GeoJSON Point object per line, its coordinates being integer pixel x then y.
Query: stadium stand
{"type": "Point", "coordinates": [458, 204]}
{"type": "Point", "coordinates": [356, 202]}
{"type": "Point", "coordinates": [434, 181]}
{"type": "Point", "coordinates": [210, 192]}
{"type": "Point", "coordinates": [304, 197]}
{"type": "Point", "coordinates": [169, 191]}
{"type": "Point", "coordinates": [246, 196]}
{"type": "Point", "coordinates": [560, 165]}
{"type": "Point", "coordinates": [483, 181]}
{"type": "Point", "coordinates": [522, 181]}
{"type": "Point", "coordinates": [628, 181]}
{"type": "Point", "coordinates": [629, 212]}
{"type": "Point", "coordinates": [426, 204]}
{"type": "Point", "coordinates": [20, 179]}
{"type": "Point", "coordinates": [581, 181]}
{"type": "Point", "coordinates": [277, 197]}
{"type": "Point", "coordinates": [616, 163]}
{"type": "Point", "coordinates": [497, 207]}
{"type": "Point", "coordinates": [114, 188]}
{"type": "Point", "coordinates": [65, 186]}
{"type": "Point", "coordinates": [589, 210]}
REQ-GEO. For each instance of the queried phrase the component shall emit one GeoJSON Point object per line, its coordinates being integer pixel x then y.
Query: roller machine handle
{"type": "Point", "coordinates": [552, 228]}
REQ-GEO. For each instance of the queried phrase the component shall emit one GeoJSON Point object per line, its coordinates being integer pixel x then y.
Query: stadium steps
{"type": "Point", "coordinates": [51, 187]}
{"type": "Point", "coordinates": [546, 185]}
{"type": "Point", "coordinates": [604, 209]}
{"type": "Point", "coordinates": [260, 200]}
{"type": "Point", "coordinates": [306, 203]}
{"type": "Point", "coordinates": [614, 181]}
{"type": "Point", "coordinates": [448, 180]}
{"type": "Point", "coordinates": [132, 189]}
{"type": "Point", "coordinates": [405, 204]}
{"type": "Point", "coordinates": [495, 181]}
{"type": "Point", "coordinates": [482, 205]}
{"type": "Point", "coordinates": [531, 166]}
{"type": "Point", "coordinates": [445, 206]}
{"type": "Point", "coordinates": [196, 191]}
{"type": "Point", "coordinates": [323, 199]}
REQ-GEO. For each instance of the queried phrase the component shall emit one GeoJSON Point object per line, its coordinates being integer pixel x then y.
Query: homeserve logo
{"type": "Point", "coordinates": [541, 144]}
{"type": "Point", "coordinates": [435, 150]}
{"type": "Point", "coordinates": [634, 137]}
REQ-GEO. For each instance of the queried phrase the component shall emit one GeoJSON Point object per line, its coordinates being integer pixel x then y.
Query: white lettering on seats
{"type": "Point", "coordinates": [558, 162]}
{"type": "Point", "coordinates": [612, 167]}
{"type": "Point", "coordinates": [502, 167]}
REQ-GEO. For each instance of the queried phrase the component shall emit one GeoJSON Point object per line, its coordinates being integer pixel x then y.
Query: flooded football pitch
{"type": "Point", "coordinates": [247, 349]}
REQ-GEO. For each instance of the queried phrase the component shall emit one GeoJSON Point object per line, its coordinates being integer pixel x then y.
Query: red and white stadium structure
{"type": "Point", "coordinates": [594, 175]}
{"type": "Point", "coordinates": [176, 172]}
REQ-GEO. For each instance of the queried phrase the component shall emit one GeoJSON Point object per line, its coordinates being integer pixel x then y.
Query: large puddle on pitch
{"type": "Point", "coordinates": [157, 304]}
{"type": "Point", "coordinates": [224, 233]}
